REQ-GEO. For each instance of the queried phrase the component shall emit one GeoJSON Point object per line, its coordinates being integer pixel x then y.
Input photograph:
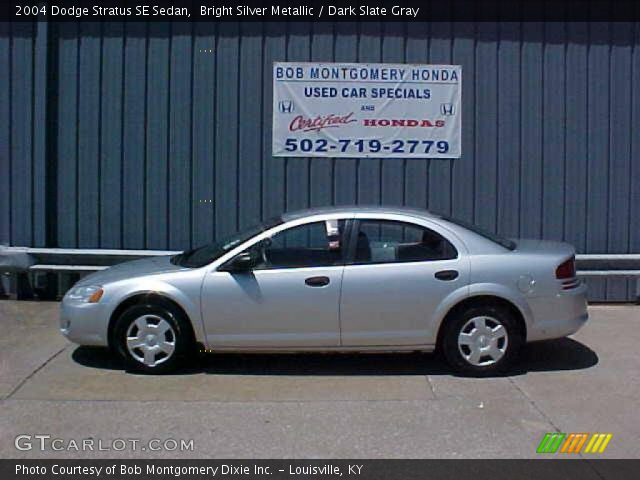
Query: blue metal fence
{"type": "Point", "coordinates": [158, 136]}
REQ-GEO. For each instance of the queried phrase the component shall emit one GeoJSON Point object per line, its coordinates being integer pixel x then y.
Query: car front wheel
{"type": "Point", "coordinates": [482, 341]}
{"type": "Point", "coordinates": [151, 338]}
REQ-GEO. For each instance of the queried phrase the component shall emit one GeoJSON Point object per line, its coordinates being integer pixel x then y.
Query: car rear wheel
{"type": "Point", "coordinates": [482, 340]}
{"type": "Point", "coordinates": [152, 338]}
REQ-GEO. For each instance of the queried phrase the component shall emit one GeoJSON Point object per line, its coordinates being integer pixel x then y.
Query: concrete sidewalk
{"type": "Point", "coordinates": [341, 406]}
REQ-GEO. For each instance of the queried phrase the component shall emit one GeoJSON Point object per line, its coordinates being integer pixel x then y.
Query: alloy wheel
{"type": "Point", "coordinates": [151, 340]}
{"type": "Point", "coordinates": [483, 341]}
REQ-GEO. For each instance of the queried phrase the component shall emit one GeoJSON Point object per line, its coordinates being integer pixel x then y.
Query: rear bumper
{"type": "Point", "coordinates": [558, 316]}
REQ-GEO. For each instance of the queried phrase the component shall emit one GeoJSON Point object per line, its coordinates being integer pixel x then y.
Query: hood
{"type": "Point", "coordinates": [132, 269]}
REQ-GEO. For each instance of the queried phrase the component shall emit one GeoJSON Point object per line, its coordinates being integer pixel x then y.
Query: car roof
{"type": "Point", "coordinates": [473, 241]}
{"type": "Point", "coordinates": [355, 209]}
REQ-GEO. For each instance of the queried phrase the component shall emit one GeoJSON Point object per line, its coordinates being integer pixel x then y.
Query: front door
{"type": "Point", "coordinates": [400, 274]}
{"type": "Point", "coordinates": [290, 298]}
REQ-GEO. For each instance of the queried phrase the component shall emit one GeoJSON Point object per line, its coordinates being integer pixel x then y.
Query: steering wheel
{"type": "Point", "coordinates": [264, 244]}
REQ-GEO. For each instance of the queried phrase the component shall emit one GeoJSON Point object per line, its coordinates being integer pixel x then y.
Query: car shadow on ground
{"type": "Point", "coordinates": [548, 356]}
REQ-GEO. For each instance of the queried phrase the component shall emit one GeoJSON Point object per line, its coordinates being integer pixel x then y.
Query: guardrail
{"type": "Point", "coordinates": [49, 272]}
{"type": "Point", "coordinates": [610, 265]}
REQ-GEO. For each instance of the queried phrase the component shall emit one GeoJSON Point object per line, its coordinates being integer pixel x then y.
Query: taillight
{"type": "Point", "coordinates": [566, 269]}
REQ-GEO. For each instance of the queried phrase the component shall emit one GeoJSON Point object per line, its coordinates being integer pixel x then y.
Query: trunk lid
{"type": "Point", "coordinates": [545, 248]}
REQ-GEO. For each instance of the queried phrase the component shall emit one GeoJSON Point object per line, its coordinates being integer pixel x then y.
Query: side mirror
{"type": "Point", "coordinates": [243, 262]}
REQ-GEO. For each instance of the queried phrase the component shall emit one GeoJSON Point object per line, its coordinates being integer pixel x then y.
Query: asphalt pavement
{"type": "Point", "coordinates": [316, 405]}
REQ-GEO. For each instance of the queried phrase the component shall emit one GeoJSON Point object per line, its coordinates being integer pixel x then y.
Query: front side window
{"type": "Point", "coordinates": [382, 241]}
{"type": "Point", "coordinates": [318, 244]}
{"type": "Point", "coordinates": [201, 256]}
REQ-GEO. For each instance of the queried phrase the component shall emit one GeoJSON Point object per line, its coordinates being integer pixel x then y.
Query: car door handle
{"type": "Point", "coordinates": [447, 275]}
{"type": "Point", "coordinates": [317, 281]}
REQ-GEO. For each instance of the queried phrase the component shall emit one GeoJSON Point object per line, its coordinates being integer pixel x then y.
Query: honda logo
{"type": "Point", "coordinates": [285, 106]}
{"type": "Point", "coordinates": [447, 109]}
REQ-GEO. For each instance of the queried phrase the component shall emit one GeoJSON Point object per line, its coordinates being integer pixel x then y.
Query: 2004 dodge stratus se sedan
{"type": "Point", "coordinates": [338, 279]}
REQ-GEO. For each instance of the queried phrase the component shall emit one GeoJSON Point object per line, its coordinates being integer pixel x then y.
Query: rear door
{"type": "Point", "coordinates": [397, 277]}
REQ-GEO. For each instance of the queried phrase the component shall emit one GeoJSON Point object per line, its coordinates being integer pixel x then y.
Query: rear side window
{"type": "Point", "coordinates": [382, 241]}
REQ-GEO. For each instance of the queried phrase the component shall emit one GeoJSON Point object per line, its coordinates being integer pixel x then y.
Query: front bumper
{"type": "Point", "coordinates": [558, 316]}
{"type": "Point", "coordinates": [84, 323]}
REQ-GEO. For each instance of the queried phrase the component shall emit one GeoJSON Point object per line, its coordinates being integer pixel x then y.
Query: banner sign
{"type": "Point", "coordinates": [364, 110]}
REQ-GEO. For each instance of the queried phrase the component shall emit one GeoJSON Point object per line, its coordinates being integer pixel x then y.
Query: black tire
{"type": "Point", "coordinates": [496, 314]}
{"type": "Point", "coordinates": [179, 334]}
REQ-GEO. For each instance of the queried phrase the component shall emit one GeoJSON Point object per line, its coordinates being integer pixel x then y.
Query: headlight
{"type": "Point", "coordinates": [90, 294]}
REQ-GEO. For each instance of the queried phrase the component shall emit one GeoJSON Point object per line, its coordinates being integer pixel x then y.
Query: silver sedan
{"type": "Point", "coordinates": [336, 279]}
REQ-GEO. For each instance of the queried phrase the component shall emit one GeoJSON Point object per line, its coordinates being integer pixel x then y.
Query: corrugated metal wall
{"type": "Point", "coordinates": [23, 53]}
{"type": "Point", "coordinates": [132, 135]}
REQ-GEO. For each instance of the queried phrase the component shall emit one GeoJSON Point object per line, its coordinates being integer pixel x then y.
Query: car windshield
{"type": "Point", "coordinates": [504, 242]}
{"type": "Point", "coordinates": [201, 256]}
